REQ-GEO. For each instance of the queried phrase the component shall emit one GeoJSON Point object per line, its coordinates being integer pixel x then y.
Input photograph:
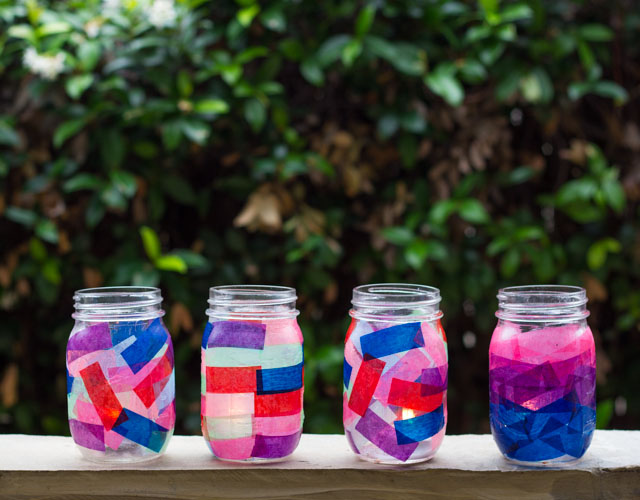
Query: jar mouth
{"type": "Point", "coordinates": [117, 302]}
{"type": "Point", "coordinates": [395, 302]}
{"type": "Point", "coordinates": [394, 295]}
{"type": "Point", "coordinates": [252, 301]}
{"type": "Point", "coordinates": [541, 302]}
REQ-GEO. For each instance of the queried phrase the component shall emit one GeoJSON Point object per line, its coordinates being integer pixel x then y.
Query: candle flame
{"type": "Point", "coordinates": [407, 413]}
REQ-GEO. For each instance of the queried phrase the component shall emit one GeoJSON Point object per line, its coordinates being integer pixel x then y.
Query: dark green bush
{"type": "Point", "coordinates": [319, 145]}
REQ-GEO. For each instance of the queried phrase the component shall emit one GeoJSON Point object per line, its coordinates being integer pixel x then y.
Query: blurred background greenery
{"type": "Point", "coordinates": [462, 144]}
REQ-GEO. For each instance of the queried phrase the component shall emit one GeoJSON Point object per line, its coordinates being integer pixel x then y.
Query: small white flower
{"type": "Point", "coordinates": [162, 13]}
{"type": "Point", "coordinates": [92, 28]}
{"type": "Point", "coordinates": [46, 66]}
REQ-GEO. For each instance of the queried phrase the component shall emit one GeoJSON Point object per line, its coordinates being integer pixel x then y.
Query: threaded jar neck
{"type": "Point", "coordinates": [540, 303]}
{"type": "Point", "coordinates": [252, 302]}
{"type": "Point", "coordinates": [396, 302]}
{"type": "Point", "coordinates": [117, 303]}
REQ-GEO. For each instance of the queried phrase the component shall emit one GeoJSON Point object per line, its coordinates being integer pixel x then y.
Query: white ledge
{"type": "Point", "coordinates": [465, 467]}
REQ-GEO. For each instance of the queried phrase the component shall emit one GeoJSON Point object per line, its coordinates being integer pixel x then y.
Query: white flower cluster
{"type": "Point", "coordinates": [111, 4]}
{"type": "Point", "coordinates": [48, 67]}
{"type": "Point", "coordinates": [162, 13]}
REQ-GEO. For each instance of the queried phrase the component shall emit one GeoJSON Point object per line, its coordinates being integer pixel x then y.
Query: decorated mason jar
{"type": "Point", "coordinates": [542, 369]}
{"type": "Point", "coordinates": [395, 373]}
{"type": "Point", "coordinates": [120, 375]}
{"type": "Point", "coordinates": [252, 373]}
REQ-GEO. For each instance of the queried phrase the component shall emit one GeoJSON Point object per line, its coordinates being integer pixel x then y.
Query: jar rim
{"type": "Point", "coordinates": [542, 302]}
{"type": "Point", "coordinates": [121, 302]}
{"type": "Point", "coordinates": [255, 294]}
{"type": "Point", "coordinates": [395, 295]}
{"type": "Point", "coordinates": [542, 295]}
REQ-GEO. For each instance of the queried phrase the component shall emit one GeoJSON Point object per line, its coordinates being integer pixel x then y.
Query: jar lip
{"type": "Point", "coordinates": [114, 297]}
{"type": "Point", "coordinates": [264, 295]}
{"type": "Point", "coordinates": [539, 296]}
{"type": "Point", "coordinates": [395, 295]}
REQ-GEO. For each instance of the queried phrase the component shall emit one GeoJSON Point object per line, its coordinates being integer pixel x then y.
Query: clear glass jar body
{"type": "Point", "coordinates": [542, 368]}
{"type": "Point", "coordinates": [395, 374]}
{"type": "Point", "coordinates": [252, 373]}
{"type": "Point", "coordinates": [120, 375]}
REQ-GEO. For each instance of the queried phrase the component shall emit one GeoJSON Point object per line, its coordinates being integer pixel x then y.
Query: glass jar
{"type": "Point", "coordinates": [395, 373]}
{"type": "Point", "coordinates": [542, 369]}
{"type": "Point", "coordinates": [252, 373]}
{"type": "Point", "coordinates": [120, 375]}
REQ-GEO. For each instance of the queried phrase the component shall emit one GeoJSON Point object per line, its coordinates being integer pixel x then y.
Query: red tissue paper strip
{"type": "Point", "coordinates": [101, 394]}
{"type": "Point", "coordinates": [365, 385]}
{"type": "Point", "coordinates": [279, 404]}
{"type": "Point", "coordinates": [352, 327]}
{"type": "Point", "coordinates": [408, 395]}
{"type": "Point", "coordinates": [231, 380]}
{"type": "Point", "coordinates": [159, 376]}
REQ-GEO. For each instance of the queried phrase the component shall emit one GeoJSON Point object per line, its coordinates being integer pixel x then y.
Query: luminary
{"type": "Point", "coordinates": [252, 373]}
{"type": "Point", "coordinates": [542, 369]}
{"type": "Point", "coordinates": [395, 374]}
{"type": "Point", "coordinates": [120, 375]}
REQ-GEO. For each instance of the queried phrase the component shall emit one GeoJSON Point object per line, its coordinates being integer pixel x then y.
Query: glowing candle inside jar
{"type": "Point", "coordinates": [407, 413]}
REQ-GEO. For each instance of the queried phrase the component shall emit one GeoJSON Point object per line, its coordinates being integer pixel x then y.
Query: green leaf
{"type": "Point", "coordinates": [245, 16]}
{"type": "Point", "coordinates": [441, 211]}
{"type": "Point", "coordinates": [612, 90]}
{"type": "Point", "coordinates": [23, 31]}
{"type": "Point", "coordinates": [179, 189]}
{"type": "Point", "coordinates": [537, 87]}
{"type": "Point", "coordinates": [472, 71]}
{"type": "Point", "coordinates": [473, 211]}
{"type": "Point", "coordinates": [184, 84]}
{"type": "Point", "coordinates": [95, 211]}
{"type": "Point", "coordinates": [211, 106]}
{"type": "Point", "coordinates": [312, 72]}
{"type": "Point", "coordinates": [8, 135]}
{"type": "Point", "coordinates": [442, 81]}
{"type": "Point", "coordinates": [398, 235]}
{"type": "Point", "coordinates": [331, 50]}
{"type": "Point", "coordinates": [76, 85]}
{"type": "Point", "coordinates": [51, 271]}
{"type": "Point", "coordinates": [113, 147]}
{"type": "Point", "coordinates": [171, 134]}
{"type": "Point", "coordinates": [510, 263]}
{"type": "Point", "coordinates": [151, 242]}
{"type": "Point", "coordinates": [193, 260]}
{"type": "Point", "coordinates": [255, 113]}
{"type": "Point", "coordinates": [21, 216]}
{"type": "Point", "coordinates": [47, 230]}
{"type": "Point", "coordinates": [196, 130]}
{"type": "Point", "coordinates": [37, 249]}
{"type": "Point", "coordinates": [53, 28]}
{"type": "Point", "coordinates": [365, 20]}
{"type": "Point", "coordinates": [89, 54]}
{"type": "Point", "coordinates": [416, 253]}
{"type": "Point", "coordinates": [614, 194]}
{"type": "Point", "coordinates": [388, 125]}
{"type": "Point", "coordinates": [273, 18]}
{"type": "Point", "coordinates": [82, 181]}
{"type": "Point", "coordinates": [67, 130]}
{"type": "Point", "coordinates": [597, 253]}
{"type": "Point", "coordinates": [604, 413]}
{"type": "Point", "coordinates": [124, 181]}
{"type": "Point", "coordinates": [516, 12]}
{"type": "Point", "coordinates": [595, 32]}
{"type": "Point", "coordinates": [351, 51]}
{"type": "Point", "coordinates": [171, 263]}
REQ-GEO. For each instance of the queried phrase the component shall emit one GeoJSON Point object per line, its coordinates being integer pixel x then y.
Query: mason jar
{"type": "Point", "coordinates": [120, 375]}
{"type": "Point", "coordinates": [252, 373]}
{"type": "Point", "coordinates": [542, 374]}
{"type": "Point", "coordinates": [395, 373]}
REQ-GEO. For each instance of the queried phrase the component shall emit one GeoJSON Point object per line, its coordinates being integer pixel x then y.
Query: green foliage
{"type": "Point", "coordinates": [465, 144]}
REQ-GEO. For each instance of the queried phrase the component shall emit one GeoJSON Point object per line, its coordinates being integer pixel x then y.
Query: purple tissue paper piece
{"type": "Point", "coordinates": [433, 380]}
{"type": "Point", "coordinates": [87, 435]}
{"type": "Point", "coordinates": [93, 338]}
{"type": "Point", "coordinates": [383, 436]}
{"type": "Point", "coordinates": [237, 334]}
{"type": "Point", "coordinates": [275, 446]}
